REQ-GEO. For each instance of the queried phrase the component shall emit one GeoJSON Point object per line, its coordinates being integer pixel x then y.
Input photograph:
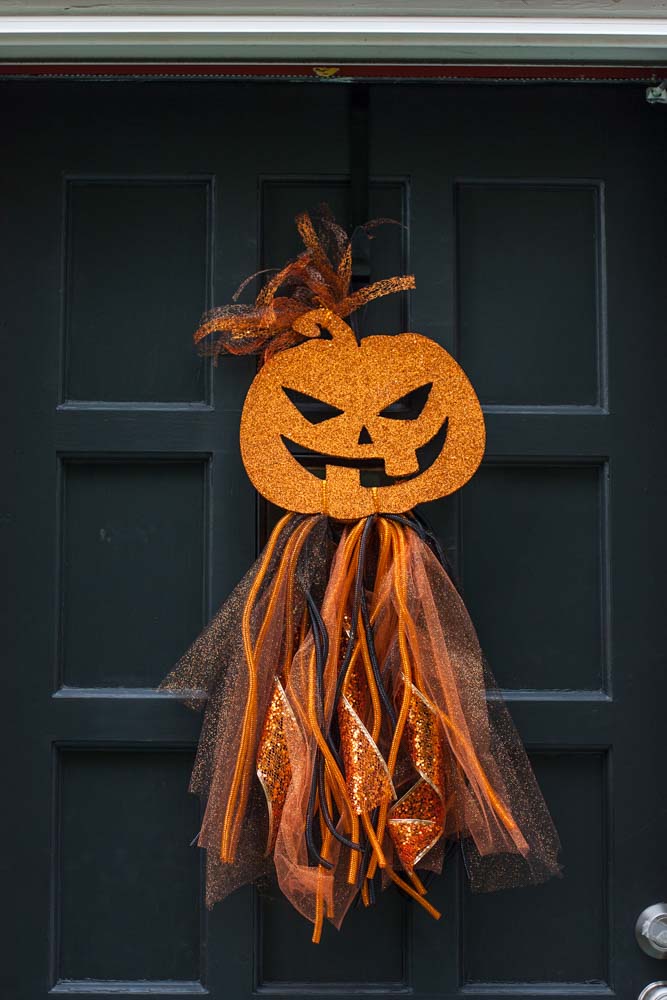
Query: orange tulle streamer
{"type": "Point", "coordinates": [320, 276]}
{"type": "Point", "coordinates": [352, 731]}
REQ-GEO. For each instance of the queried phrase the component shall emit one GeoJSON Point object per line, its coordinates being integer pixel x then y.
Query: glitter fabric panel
{"type": "Point", "coordinates": [424, 740]}
{"type": "Point", "coordinates": [273, 765]}
{"type": "Point", "coordinates": [366, 774]}
{"type": "Point", "coordinates": [360, 380]}
{"type": "Point", "coordinates": [416, 822]}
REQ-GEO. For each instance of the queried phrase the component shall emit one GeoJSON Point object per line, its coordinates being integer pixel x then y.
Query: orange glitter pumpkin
{"type": "Point", "coordinates": [360, 394]}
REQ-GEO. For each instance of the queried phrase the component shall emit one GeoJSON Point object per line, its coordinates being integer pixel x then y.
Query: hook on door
{"type": "Point", "coordinates": [658, 94]}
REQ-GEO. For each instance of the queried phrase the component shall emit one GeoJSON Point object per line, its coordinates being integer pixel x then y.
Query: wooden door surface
{"type": "Point", "coordinates": [534, 220]}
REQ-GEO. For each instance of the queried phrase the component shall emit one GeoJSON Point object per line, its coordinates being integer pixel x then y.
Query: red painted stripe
{"type": "Point", "coordinates": [346, 71]}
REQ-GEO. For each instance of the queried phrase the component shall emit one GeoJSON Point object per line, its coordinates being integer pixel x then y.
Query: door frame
{"type": "Point", "coordinates": [141, 70]}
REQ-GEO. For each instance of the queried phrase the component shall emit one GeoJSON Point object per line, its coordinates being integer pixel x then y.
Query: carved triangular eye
{"type": "Point", "coordinates": [313, 409]}
{"type": "Point", "coordinates": [409, 406]}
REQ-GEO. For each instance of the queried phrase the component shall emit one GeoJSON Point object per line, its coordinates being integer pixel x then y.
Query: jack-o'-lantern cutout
{"type": "Point", "coordinates": [352, 731]}
{"type": "Point", "coordinates": [399, 406]}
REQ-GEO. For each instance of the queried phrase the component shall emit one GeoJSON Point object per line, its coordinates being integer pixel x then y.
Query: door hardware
{"type": "Point", "coordinates": [651, 931]}
{"type": "Point", "coordinates": [654, 991]}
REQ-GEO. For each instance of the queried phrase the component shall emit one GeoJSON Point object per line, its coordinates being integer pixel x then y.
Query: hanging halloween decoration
{"type": "Point", "coordinates": [352, 731]}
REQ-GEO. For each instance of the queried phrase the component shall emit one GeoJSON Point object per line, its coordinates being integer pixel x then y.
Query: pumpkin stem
{"type": "Point", "coordinates": [312, 323]}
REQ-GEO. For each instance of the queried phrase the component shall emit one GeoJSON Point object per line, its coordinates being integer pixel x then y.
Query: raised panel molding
{"type": "Point", "coordinates": [128, 987]}
{"type": "Point", "coordinates": [544, 621]}
{"type": "Point", "coordinates": [285, 960]}
{"type": "Point", "coordinates": [119, 516]}
{"type": "Point", "coordinates": [544, 294]}
{"type": "Point", "coordinates": [569, 962]}
{"type": "Point", "coordinates": [110, 879]}
{"type": "Point", "coordinates": [137, 259]}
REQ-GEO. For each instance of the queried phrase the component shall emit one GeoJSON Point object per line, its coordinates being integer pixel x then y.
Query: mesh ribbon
{"type": "Point", "coordinates": [320, 276]}
{"type": "Point", "coordinates": [352, 728]}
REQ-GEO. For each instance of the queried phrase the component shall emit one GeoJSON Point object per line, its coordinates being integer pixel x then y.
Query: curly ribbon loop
{"type": "Point", "coordinates": [320, 277]}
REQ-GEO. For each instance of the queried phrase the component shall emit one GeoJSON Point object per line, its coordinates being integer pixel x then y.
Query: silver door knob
{"type": "Point", "coordinates": [655, 991]}
{"type": "Point", "coordinates": [651, 931]}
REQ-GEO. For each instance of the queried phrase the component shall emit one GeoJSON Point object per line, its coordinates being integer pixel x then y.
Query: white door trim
{"type": "Point", "coordinates": [359, 38]}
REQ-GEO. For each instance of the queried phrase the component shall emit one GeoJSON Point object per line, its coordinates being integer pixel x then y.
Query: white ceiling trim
{"type": "Point", "coordinates": [359, 37]}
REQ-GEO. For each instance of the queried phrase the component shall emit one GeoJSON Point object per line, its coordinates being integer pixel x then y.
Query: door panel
{"type": "Point", "coordinates": [554, 542]}
{"type": "Point", "coordinates": [139, 598]}
{"type": "Point", "coordinates": [114, 806]}
{"type": "Point", "coordinates": [126, 274]}
{"type": "Point", "coordinates": [531, 949]}
{"type": "Point", "coordinates": [533, 218]}
{"type": "Point", "coordinates": [541, 296]}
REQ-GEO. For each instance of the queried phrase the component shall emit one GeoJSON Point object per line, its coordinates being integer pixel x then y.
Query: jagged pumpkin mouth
{"type": "Point", "coordinates": [371, 470]}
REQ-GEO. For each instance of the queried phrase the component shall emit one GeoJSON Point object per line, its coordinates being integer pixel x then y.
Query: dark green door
{"type": "Point", "coordinates": [534, 221]}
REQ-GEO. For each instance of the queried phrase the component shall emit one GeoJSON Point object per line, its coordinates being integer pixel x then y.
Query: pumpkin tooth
{"type": "Point", "coordinates": [402, 463]}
